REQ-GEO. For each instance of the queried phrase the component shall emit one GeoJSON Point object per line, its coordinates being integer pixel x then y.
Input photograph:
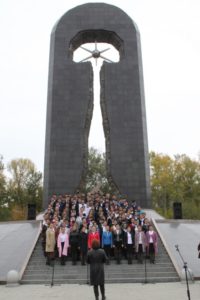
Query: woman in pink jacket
{"type": "Point", "coordinates": [152, 244]}
{"type": "Point", "coordinates": [63, 245]}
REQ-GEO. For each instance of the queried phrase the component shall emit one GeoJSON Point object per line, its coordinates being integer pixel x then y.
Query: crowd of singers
{"type": "Point", "coordinates": [72, 222]}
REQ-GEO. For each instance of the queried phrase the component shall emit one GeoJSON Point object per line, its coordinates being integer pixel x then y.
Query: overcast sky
{"type": "Point", "coordinates": [170, 39]}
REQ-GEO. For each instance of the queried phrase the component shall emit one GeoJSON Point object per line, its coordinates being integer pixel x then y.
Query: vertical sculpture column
{"type": "Point", "coordinates": [70, 104]}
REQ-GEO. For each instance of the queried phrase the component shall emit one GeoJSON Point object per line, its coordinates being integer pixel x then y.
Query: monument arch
{"type": "Point", "coordinates": [70, 104]}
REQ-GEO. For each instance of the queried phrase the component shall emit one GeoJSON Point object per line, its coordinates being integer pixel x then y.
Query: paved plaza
{"type": "Point", "coordinates": [159, 291]}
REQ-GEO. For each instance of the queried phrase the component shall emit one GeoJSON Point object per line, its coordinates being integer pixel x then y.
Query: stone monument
{"type": "Point", "coordinates": [70, 104]}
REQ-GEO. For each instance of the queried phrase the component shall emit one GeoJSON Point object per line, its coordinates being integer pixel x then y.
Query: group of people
{"type": "Point", "coordinates": [72, 222]}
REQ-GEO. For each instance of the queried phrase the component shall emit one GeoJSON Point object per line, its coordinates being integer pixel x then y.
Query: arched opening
{"type": "Point", "coordinates": [96, 53]}
{"type": "Point", "coordinates": [99, 36]}
{"type": "Point", "coordinates": [96, 47]}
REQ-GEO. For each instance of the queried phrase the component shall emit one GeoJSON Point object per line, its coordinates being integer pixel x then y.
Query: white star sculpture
{"type": "Point", "coordinates": [96, 54]}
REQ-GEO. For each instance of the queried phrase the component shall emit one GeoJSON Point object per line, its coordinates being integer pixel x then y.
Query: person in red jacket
{"type": "Point", "coordinates": [93, 235]}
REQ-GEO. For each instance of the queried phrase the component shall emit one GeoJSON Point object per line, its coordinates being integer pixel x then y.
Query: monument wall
{"type": "Point", "coordinates": [70, 104]}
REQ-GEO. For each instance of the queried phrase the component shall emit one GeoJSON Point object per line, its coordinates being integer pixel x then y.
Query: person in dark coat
{"type": "Point", "coordinates": [83, 244]}
{"type": "Point", "coordinates": [96, 258]}
{"type": "Point", "coordinates": [74, 243]}
{"type": "Point", "coordinates": [129, 243]}
{"type": "Point", "coordinates": [118, 243]}
{"type": "Point", "coordinates": [198, 250]}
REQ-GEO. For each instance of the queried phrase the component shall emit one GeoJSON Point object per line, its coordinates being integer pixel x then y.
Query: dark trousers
{"type": "Point", "coordinates": [83, 257]}
{"type": "Point", "coordinates": [74, 253]}
{"type": "Point", "coordinates": [107, 249]}
{"type": "Point", "coordinates": [50, 257]}
{"type": "Point", "coordinates": [129, 253]}
{"type": "Point", "coordinates": [151, 253]}
{"type": "Point", "coordinates": [124, 252]}
{"type": "Point", "coordinates": [118, 249]}
{"type": "Point", "coordinates": [140, 254]}
{"type": "Point", "coordinates": [63, 257]}
{"type": "Point", "coordinates": [48, 261]}
{"type": "Point", "coordinates": [96, 291]}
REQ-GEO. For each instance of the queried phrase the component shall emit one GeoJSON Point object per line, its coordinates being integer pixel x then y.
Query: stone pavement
{"type": "Point", "coordinates": [159, 291]}
{"type": "Point", "coordinates": [181, 233]}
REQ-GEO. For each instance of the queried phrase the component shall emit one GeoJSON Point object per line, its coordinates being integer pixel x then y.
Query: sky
{"type": "Point", "coordinates": [170, 41]}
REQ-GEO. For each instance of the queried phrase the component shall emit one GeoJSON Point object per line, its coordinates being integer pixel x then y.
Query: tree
{"type": "Point", "coordinates": [187, 179]}
{"type": "Point", "coordinates": [2, 179]}
{"type": "Point", "coordinates": [175, 179]}
{"type": "Point", "coordinates": [4, 209]}
{"type": "Point", "coordinates": [162, 184]}
{"type": "Point", "coordinates": [96, 177]}
{"type": "Point", "coordinates": [25, 184]}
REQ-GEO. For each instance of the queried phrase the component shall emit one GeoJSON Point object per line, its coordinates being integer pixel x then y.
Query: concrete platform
{"type": "Point", "coordinates": [17, 241]}
{"type": "Point", "coordinates": [152, 214]}
{"type": "Point", "coordinates": [159, 291]}
{"type": "Point", "coordinates": [185, 234]}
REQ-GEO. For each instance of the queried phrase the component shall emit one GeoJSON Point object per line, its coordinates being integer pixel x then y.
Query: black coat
{"type": "Point", "coordinates": [126, 238]}
{"type": "Point", "coordinates": [198, 250]}
{"type": "Point", "coordinates": [74, 238]}
{"type": "Point", "coordinates": [117, 238]}
{"type": "Point", "coordinates": [96, 258]}
{"type": "Point", "coordinates": [83, 242]}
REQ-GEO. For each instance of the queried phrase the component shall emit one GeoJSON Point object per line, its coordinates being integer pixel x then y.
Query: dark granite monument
{"type": "Point", "coordinates": [70, 104]}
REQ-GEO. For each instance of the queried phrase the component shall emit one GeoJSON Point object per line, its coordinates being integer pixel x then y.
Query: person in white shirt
{"type": "Point", "coordinates": [129, 243]}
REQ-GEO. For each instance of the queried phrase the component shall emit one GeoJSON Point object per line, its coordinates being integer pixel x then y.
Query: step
{"type": "Point", "coordinates": [110, 268]}
{"type": "Point", "coordinates": [37, 272]}
{"type": "Point", "coordinates": [107, 276]}
{"type": "Point", "coordinates": [107, 281]}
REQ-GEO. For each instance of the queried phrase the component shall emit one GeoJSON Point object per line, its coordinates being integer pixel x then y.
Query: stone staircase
{"type": "Point", "coordinates": [37, 272]}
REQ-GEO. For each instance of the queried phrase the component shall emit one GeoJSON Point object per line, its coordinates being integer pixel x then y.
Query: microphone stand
{"type": "Point", "coordinates": [186, 270]}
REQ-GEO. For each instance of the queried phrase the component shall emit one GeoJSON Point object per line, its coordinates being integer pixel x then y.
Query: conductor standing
{"type": "Point", "coordinates": [96, 258]}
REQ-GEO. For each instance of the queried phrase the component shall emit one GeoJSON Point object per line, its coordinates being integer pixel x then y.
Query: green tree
{"type": "Point", "coordinates": [175, 179]}
{"type": "Point", "coordinates": [2, 179]}
{"type": "Point", "coordinates": [25, 184]}
{"type": "Point", "coordinates": [162, 184]}
{"type": "Point", "coordinates": [96, 177]}
{"type": "Point", "coordinates": [4, 209]}
{"type": "Point", "coordinates": [187, 179]}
